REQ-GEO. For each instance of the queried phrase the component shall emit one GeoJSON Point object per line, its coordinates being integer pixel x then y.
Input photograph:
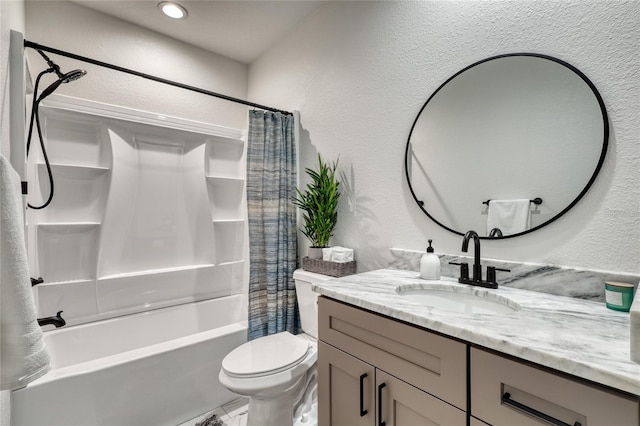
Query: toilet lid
{"type": "Point", "coordinates": [266, 355]}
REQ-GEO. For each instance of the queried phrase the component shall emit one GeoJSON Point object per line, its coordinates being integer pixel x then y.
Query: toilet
{"type": "Point", "coordinates": [278, 372]}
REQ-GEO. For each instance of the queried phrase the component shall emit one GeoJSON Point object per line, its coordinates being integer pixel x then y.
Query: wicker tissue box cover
{"type": "Point", "coordinates": [333, 269]}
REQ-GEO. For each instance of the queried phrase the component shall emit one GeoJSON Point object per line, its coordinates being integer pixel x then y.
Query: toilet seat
{"type": "Point", "coordinates": [265, 356]}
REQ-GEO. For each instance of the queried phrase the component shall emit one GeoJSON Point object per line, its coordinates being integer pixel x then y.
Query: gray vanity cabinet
{"type": "Point", "coordinates": [368, 362]}
{"type": "Point", "coordinates": [399, 374]}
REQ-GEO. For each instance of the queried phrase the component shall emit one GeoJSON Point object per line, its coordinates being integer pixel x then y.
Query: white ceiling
{"type": "Point", "coordinates": [241, 30]}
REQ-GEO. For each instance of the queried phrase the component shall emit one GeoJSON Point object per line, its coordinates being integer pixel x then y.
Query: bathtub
{"type": "Point", "coordinates": [154, 368]}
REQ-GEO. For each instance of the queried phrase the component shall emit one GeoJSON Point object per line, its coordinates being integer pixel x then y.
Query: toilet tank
{"type": "Point", "coordinates": [308, 299]}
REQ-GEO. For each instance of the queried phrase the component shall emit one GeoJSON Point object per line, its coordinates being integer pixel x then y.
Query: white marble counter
{"type": "Point", "coordinates": [579, 337]}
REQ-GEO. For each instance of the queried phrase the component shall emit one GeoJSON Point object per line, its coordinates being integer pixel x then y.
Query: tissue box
{"type": "Point", "coordinates": [333, 269]}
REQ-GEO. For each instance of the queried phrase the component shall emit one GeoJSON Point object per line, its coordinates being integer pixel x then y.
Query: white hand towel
{"type": "Point", "coordinates": [23, 354]}
{"type": "Point", "coordinates": [510, 216]}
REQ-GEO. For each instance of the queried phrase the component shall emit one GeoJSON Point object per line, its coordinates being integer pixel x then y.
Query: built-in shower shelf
{"type": "Point", "coordinates": [55, 284]}
{"type": "Point", "coordinates": [228, 221]}
{"type": "Point", "coordinates": [78, 226]}
{"type": "Point", "coordinates": [234, 262]}
{"type": "Point", "coordinates": [223, 179]}
{"type": "Point", "coordinates": [156, 271]}
{"type": "Point", "coordinates": [225, 140]}
{"type": "Point", "coordinates": [83, 171]}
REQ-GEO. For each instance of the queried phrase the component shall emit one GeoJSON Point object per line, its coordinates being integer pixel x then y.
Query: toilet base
{"type": "Point", "coordinates": [298, 401]}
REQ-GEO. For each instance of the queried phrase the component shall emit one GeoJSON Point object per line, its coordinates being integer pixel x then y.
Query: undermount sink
{"type": "Point", "coordinates": [458, 299]}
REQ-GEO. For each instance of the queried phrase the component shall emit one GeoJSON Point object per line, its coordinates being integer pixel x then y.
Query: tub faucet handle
{"type": "Point", "coordinates": [58, 321]}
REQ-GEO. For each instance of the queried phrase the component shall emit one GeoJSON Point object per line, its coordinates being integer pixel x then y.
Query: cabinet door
{"type": "Point", "coordinates": [400, 404]}
{"type": "Point", "coordinates": [345, 389]}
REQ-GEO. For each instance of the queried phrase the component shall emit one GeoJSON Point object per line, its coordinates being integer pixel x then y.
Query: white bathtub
{"type": "Point", "coordinates": [154, 368]}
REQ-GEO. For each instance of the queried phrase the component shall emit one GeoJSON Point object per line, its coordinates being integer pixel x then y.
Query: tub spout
{"type": "Point", "coordinates": [58, 321]}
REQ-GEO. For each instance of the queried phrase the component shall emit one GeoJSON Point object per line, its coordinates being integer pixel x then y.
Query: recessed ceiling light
{"type": "Point", "coordinates": [172, 10]}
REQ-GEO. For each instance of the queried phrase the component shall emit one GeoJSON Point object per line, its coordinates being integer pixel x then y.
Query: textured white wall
{"type": "Point", "coordinates": [359, 72]}
{"type": "Point", "coordinates": [73, 28]}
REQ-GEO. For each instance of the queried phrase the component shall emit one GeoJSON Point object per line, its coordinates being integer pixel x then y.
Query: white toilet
{"type": "Point", "coordinates": [278, 372]}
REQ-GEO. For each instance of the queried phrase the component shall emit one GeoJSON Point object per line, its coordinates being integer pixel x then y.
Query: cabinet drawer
{"type": "Point", "coordinates": [534, 393]}
{"type": "Point", "coordinates": [430, 362]}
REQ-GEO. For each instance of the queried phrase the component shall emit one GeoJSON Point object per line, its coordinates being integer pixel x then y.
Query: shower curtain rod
{"type": "Point", "coordinates": [149, 77]}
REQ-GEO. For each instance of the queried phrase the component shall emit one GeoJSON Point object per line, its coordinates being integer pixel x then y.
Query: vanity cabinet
{"type": "Point", "coordinates": [374, 371]}
{"type": "Point", "coordinates": [508, 392]}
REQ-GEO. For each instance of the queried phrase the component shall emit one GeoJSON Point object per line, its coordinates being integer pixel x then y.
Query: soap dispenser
{"type": "Point", "coordinates": [430, 264]}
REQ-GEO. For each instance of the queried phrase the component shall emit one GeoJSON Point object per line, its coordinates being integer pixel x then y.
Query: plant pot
{"type": "Point", "coordinates": [315, 253]}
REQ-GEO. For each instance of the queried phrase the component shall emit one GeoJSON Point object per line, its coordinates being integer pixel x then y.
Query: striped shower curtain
{"type": "Point", "coordinates": [271, 180]}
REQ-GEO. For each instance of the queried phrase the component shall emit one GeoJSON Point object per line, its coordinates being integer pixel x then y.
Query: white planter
{"type": "Point", "coordinates": [315, 253]}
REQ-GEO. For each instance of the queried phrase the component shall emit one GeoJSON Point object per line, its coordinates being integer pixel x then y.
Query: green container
{"type": "Point", "coordinates": [619, 296]}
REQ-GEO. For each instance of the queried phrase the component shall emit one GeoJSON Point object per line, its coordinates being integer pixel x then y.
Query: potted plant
{"type": "Point", "coordinates": [319, 204]}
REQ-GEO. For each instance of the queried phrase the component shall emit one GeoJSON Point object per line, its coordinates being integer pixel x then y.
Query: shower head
{"type": "Point", "coordinates": [63, 78]}
{"type": "Point", "coordinates": [72, 75]}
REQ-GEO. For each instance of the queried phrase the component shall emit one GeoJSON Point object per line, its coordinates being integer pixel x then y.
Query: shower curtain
{"type": "Point", "coordinates": [271, 180]}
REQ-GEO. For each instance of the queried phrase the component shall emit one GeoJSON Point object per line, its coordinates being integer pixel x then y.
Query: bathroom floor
{"type": "Point", "coordinates": [233, 413]}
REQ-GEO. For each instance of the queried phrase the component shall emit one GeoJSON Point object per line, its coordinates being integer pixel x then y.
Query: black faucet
{"type": "Point", "coordinates": [477, 267]}
{"type": "Point", "coordinates": [58, 321]}
{"type": "Point", "coordinates": [476, 277]}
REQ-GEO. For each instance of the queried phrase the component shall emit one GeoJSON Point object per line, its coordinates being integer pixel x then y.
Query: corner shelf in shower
{"type": "Point", "coordinates": [67, 251]}
{"type": "Point", "coordinates": [226, 197]}
{"type": "Point", "coordinates": [79, 192]}
{"type": "Point", "coordinates": [225, 157]}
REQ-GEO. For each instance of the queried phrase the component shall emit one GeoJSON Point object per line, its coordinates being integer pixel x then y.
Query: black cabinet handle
{"type": "Point", "coordinates": [506, 399]}
{"type": "Point", "coordinates": [380, 422]}
{"type": "Point", "coordinates": [363, 412]}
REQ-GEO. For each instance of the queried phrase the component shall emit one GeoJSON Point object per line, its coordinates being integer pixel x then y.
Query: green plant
{"type": "Point", "coordinates": [319, 203]}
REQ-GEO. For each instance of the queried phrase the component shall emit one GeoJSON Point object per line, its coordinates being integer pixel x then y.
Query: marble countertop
{"type": "Point", "coordinates": [579, 337]}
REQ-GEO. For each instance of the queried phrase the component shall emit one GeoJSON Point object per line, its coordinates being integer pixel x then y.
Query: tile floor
{"type": "Point", "coordinates": [233, 413]}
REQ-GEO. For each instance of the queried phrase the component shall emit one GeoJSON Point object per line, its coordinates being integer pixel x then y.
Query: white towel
{"type": "Point", "coordinates": [510, 216]}
{"type": "Point", "coordinates": [23, 354]}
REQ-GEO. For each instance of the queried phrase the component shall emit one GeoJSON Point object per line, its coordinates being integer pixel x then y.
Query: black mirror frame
{"type": "Point", "coordinates": [605, 142]}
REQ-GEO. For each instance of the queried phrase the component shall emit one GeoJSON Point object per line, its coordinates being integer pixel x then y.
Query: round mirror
{"type": "Point", "coordinates": [511, 129]}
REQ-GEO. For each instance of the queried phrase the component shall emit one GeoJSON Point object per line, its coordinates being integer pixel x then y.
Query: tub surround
{"type": "Point", "coordinates": [560, 281]}
{"type": "Point", "coordinates": [579, 337]}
